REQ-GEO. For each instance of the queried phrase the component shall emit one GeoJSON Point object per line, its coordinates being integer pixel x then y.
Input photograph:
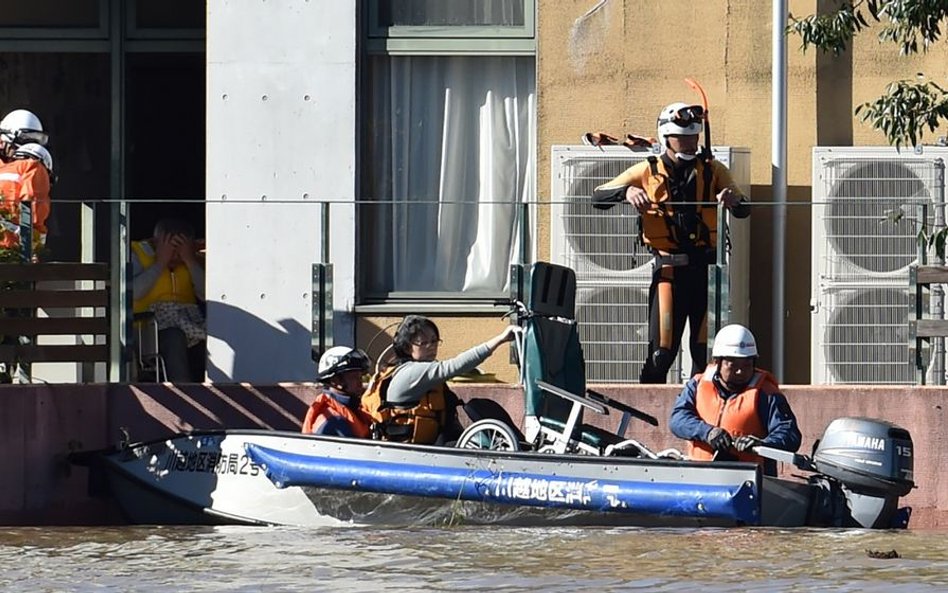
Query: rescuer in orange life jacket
{"type": "Point", "coordinates": [676, 194]}
{"type": "Point", "coordinates": [733, 406]}
{"type": "Point", "coordinates": [27, 178]}
{"type": "Point", "coordinates": [336, 410]}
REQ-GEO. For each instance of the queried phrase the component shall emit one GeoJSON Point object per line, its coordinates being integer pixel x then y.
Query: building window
{"type": "Point", "coordinates": [448, 150]}
{"type": "Point", "coordinates": [165, 19]}
{"type": "Point", "coordinates": [52, 13]}
{"type": "Point", "coordinates": [54, 19]}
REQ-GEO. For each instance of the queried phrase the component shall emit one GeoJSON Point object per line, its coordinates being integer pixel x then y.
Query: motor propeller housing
{"type": "Point", "coordinates": [869, 465]}
{"type": "Point", "coordinates": [868, 456]}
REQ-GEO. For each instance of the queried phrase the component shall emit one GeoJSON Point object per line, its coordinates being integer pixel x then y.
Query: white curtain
{"type": "Point", "coordinates": [452, 146]}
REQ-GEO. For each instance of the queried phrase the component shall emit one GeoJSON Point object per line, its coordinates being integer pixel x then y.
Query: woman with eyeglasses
{"type": "Point", "coordinates": [410, 399]}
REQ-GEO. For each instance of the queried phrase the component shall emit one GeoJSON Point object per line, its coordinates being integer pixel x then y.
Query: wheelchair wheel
{"type": "Point", "coordinates": [489, 434]}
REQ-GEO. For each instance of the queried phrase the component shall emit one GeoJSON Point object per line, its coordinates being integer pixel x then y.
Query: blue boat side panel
{"type": "Point", "coordinates": [735, 502]}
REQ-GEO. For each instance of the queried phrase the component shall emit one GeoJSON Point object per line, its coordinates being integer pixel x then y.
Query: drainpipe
{"type": "Point", "coordinates": [778, 167]}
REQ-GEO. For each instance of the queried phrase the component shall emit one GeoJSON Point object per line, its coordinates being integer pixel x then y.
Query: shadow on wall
{"type": "Point", "coordinates": [796, 284]}
{"type": "Point", "coordinates": [260, 352]}
{"type": "Point", "coordinates": [153, 411]}
{"type": "Point", "coordinates": [834, 94]}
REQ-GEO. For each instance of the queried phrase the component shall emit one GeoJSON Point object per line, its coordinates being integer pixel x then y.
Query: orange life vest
{"type": "Point", "coordinates": [326, 407]}
{"type": "Point", "coordinates": [24, 180]}
{"type": "Point", "coordinates": [659, 230]}
{"type": "Point", "coordinates": [419, 424]}
{"type": "Point", "coordinates": [738, 414]}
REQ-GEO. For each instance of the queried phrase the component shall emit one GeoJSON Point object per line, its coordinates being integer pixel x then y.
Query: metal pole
{"type": "Point", "coordinates": [779, 177]}
{"type": "Point", "coordinates": [321, 330]}
{"type": "Point", "coordinates": [87, 232]}
{"type": "Point", "coordinates": [118, 251]}
{"type": "Point", "coordinates": [938, 290]}
{"type": "Point", "coordinates": [324, 238]}
{"type": "Point", "coordinates": [918, 308]}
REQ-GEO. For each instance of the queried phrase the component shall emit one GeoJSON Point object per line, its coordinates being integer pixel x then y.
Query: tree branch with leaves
{"type": "Point", "coordinates": [907, 107]}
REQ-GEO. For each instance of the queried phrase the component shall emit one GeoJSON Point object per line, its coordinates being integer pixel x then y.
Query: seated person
{"type": "Point", "coordinates": [168, 280]}
{"type": "Point", "coordinates": [412, 392]}
{"type": "Point", "coordinates": [734, 406]}
{"type": "Point", "coordinates": [336, 411]}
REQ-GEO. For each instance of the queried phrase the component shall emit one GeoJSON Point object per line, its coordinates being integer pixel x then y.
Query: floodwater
{"type": "Point", "coordinates": [468, 559]}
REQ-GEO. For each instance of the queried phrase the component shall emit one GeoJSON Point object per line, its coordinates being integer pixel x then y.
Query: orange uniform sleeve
{"type": "Point", "coordinates": [34, 187]}
{"type": "Point", "coordinates": [613, 192]}
{"type": "Point", "coordinates": [722, 176]}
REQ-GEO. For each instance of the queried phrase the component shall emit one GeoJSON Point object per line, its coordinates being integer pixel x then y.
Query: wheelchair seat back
{"type": "Point", "coordinates": [553, 377]}
{"type": "Point", "coordinates": [551, 348]}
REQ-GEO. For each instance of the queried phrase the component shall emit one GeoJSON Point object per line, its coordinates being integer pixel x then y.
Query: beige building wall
{"type": "Point", "coordinates": [613, 65]}
{"type": "Point", "coordinates": [459, 333]}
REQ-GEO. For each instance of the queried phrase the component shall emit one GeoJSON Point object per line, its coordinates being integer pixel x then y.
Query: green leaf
{"type": "Point", "coordinates": [904, 111]}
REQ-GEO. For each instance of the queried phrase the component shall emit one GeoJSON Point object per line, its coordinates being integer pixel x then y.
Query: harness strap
{"type": "Point", "coordinates": [666, 215]}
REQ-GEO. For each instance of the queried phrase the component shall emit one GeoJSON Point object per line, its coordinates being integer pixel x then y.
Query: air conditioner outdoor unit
{"type": "Point", "coordinates": [613, 269]}
{"type": "Point", "coordinates": [868, 206]}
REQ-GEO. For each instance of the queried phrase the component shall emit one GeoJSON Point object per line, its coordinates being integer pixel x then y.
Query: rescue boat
{"type": "Point", "coordinates": [855, 478]}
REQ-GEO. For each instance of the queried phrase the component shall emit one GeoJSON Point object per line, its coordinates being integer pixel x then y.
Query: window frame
{"type": "Point", "coordinates": [134, 32]}
{"type": "Point", "coordinates": [457, 40]}
{"type": "Point", "coordinates": [59, 32]}
{"type": "Point", "coordinates": [429, 41]}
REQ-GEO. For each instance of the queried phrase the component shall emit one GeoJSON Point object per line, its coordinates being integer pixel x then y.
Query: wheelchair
{"type": "Point", "coordinates": [553, 377]}
{"type": "Point", "coordinates": [149, 364]}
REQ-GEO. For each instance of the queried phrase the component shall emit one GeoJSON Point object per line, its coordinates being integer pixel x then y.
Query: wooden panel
{"type": "Point", "coordinates": [54, 298]}
{"type": "Point", "coordinates": [930, 328]}
{"type": "Point", "coordinates": [53, 271]}
{"type": "Point", "coordinates": [48, 326]}
{"type": "Point", "coordinates": [932, 274]}
{"type": "Point", "coordinates": [31, 353]}
{"type": "Point", "coordinates": [13, 428]}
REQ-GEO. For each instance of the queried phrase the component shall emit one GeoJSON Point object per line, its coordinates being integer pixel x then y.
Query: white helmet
{"type": "Point", "coordinates": [340, 359]}
{"type": "Point", "coordinates": [679, 119]}
{"type": "Point", "coordinates": [35, 151]}
{"type": "Point", "coordinates": [21, 126]}
{"type": "Point", "coordinates": [734, 341]}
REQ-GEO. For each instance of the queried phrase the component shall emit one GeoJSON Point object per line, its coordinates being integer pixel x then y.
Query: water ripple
{"type": "Point", "coordinates": [459, 559]}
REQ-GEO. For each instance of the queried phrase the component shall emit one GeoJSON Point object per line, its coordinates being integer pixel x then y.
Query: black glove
{"type": "Point", "coordinates": [743, 443]}
{"type": "Point", "coordinates": [719, 439]}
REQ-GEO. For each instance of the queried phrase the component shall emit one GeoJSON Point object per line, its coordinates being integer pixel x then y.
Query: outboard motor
{"type": "Point", "coordinates": [872, 461]}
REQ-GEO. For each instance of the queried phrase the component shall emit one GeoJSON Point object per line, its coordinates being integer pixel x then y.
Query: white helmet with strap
{"type": "Point", "coordinates": [680, 119]}
{"type": "Point", "coordinates": [21, 126]}
{"type": "Point", "coordinates": [340, 359]}
{"type": "Point", "coordinates": [35, 151]}
{"type": "Point", "coordinates": [734, 341]}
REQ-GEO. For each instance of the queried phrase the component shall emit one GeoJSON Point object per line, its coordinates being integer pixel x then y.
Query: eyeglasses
{"type": "Point", "coordinates": [686, 116]}
{"type": "Point", "coordinates": [426, 343]}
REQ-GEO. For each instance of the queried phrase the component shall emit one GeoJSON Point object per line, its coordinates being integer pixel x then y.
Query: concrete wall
{"type": "Point", "coordinates": [281, 100]}
{"type": "Point", "coordinates": [615, 68]}
{"type": "Point", "coordinates": [41, 424]}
